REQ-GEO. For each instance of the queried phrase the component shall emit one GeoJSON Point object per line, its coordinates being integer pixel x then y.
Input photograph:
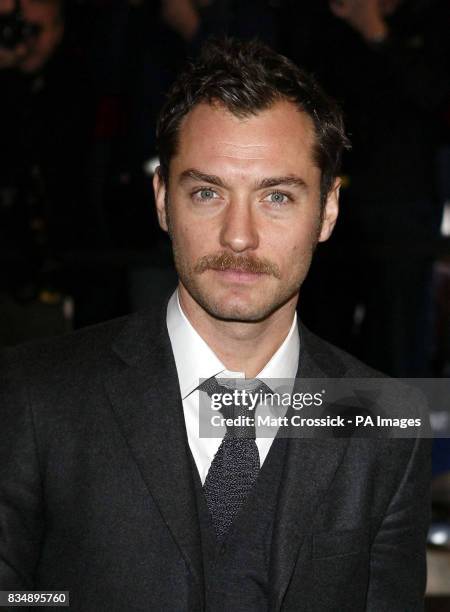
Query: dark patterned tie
{"type": "Point", "coordinates": [235, 466]}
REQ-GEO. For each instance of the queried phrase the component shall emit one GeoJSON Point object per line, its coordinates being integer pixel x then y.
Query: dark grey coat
{"type": "Point", "coordinates": [97, 496]}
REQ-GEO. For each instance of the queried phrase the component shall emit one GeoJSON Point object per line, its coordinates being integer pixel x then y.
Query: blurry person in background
{"type": "Point", "coordinates": [32, 29]}
{"type": "Point", "coordinates": [45, 126]}
{"type": "Point", "coordinates": [387, 62]}
{"type": "Point", "coordinates": [193, 19]}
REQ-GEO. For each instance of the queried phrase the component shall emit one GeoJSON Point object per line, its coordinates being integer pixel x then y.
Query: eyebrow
{"type": "Point", "coordinates": [275, 181]}
{"type": "Point", "coordinates": [196, 175]}
{"type": "Point", "coordinates": [291, 180]}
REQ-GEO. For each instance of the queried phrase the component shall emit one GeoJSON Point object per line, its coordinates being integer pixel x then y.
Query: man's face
{"type": "Point", "coordinates": [243, 209]}
{"type": "Point", "coordinates": [39, 49]}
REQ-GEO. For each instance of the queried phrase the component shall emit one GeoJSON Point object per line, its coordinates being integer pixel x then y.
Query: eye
{"type": "Point", "coordinates": [277, 198]}
{"type": "Point", "coordinates": [205, 194]}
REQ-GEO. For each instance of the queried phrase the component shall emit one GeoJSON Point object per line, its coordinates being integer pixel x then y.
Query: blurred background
{"type": "Point", "coordinates": [81, 83]}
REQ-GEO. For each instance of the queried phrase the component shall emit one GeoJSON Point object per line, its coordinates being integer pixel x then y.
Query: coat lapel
{"type": "Point", "coordinates": [309, 469]}
{"type": "Point", "coordinates": [145, 397]}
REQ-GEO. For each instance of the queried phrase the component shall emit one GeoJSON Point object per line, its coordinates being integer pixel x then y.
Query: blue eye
{"type": "Point", "coordinates": [205, 194]}
{"type": "Point", "coordinates": [278, 198]}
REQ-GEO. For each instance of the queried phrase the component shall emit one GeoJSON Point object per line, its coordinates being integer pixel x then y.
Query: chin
{"type": "Point", "coordinates": [238, 311]}
{"type": "Point", "coordinates": [238, 315]}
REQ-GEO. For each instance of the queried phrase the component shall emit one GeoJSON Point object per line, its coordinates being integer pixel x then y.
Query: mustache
{"type": "Point", "coordinates": [242, 263]}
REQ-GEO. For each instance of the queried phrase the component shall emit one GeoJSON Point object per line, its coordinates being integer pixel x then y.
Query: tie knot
{"type": "Point", "coordinates": [236, 401]}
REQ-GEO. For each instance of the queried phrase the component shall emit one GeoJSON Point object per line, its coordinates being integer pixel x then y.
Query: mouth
{"type": "Point", "coordinates": [239, 276]}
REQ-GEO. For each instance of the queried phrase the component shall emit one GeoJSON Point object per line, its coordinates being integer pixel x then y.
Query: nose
{"type": "Point", "coordinates": [239, 232]}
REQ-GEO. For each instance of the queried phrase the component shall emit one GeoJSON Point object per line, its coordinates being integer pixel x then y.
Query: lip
{"type": "Point", "coordinates": [239, 276]}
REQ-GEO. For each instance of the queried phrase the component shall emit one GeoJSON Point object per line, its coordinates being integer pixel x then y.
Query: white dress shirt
{"type": "Point", "coordinates": [195, 360]}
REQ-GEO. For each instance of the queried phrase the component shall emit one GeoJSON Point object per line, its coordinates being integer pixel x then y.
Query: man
{"type": "Point", "coordinates": [107, 489]}
{"type": "Point", "coordinates": [31, 79]}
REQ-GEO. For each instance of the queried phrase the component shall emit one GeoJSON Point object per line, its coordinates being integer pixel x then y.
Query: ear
{"type": "Point", "coordinates": [159, 189]}
{"type": "Point", "coordinates": [330, 212]}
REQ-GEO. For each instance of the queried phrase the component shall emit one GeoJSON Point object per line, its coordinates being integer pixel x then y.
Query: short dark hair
{"type": "Point", "coordinates": [247, 77]}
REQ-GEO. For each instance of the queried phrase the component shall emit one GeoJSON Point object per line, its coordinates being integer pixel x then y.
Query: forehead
{"type": "Point", "coordinates": [280, 138]}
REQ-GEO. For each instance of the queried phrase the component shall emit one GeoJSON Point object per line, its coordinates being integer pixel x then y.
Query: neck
{"type": "Point", "coordinates": [241, 346]}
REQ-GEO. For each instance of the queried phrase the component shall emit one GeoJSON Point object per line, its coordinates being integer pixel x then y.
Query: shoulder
{"type": "Point", "coordinates": [372, 391]}
{"type": "Point", "coordinates": [331, 360]}
{"type": "Point", "coordinates": [75, 347]}
{"type": "Point", "coordinates": [80, 354]}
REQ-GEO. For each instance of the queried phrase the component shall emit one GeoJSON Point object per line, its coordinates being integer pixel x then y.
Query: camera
{"type": "Point", "coordinates": [14, 29]}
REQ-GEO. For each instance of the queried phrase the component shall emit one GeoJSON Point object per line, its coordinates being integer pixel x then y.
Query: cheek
{"type": "Point", "coordinates": [190, 240]}
{"type": "Point", "coordinates": [292, 245]}
{"type": "Point", "coordinates": [195, 234]}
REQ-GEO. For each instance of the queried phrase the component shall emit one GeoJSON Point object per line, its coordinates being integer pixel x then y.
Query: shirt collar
{"type": "Point", "coordinates": [195, 360]}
